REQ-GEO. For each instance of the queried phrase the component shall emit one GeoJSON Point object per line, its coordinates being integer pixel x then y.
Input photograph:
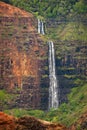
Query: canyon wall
{"type": "Point", "coordinates": [22, 53]}
{"type": "Point", "coordinates": [24, 72]}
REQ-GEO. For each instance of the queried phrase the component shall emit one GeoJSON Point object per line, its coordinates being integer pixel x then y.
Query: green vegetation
{"type": "Point", "coordinates": [51, 8]}
{"type": "Point", "coordinates": [5, 99]}
{"type": "Point", "coordinates": [81, 6]}
{"type": "Point", "coordinates": [21, 112]}
{"type": "Point", "coordinates": [70, 112]}
{"type": "Point", "coordinates": [63, 36]}
{"type": "Point", "coordinates": [4, 96]}
{"type": "Point", "coordinates": [67, 113]}
{"type": "Point", "coordinates": [68, 31]}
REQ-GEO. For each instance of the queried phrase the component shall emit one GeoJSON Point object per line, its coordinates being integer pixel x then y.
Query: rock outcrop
{"type": "Point", "coordinates": [26, 123]}
{"type": "Point", "coordinates": [7, 122]}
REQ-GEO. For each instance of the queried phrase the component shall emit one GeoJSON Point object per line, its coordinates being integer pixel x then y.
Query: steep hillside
{"type": "Point", "coordinates": [22, 55]}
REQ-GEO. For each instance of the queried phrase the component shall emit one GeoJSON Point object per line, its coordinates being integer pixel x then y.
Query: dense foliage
{"type": "Point", "coordinates": [51, 8]}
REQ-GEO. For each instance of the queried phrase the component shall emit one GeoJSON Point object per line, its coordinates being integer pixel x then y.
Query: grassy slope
{"type": "Point", "coordinates": [69, 31]}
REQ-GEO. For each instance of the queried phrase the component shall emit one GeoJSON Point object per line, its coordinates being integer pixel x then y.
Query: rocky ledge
{"type": "Point", "coordinates": [26, 123]}
{"type": "Point", "coordinates": [8, 122]}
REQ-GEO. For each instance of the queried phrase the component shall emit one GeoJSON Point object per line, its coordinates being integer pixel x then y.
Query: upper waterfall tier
{"type": "Point", "coordinates": [41, 27]}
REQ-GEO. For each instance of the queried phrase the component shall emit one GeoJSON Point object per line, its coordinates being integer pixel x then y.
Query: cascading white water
{"type": "Point", "coordinates": [53, 88]}
{"type": "Point", "coordinates": [40, 27]}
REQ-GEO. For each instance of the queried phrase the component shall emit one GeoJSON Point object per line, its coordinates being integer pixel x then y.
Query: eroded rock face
{"type": "Point", "coordinates": [22, 53]}
{"type": "Point", "coordinates": [7, 122]}
{"type": "Point", "coordinates": [29, 123]}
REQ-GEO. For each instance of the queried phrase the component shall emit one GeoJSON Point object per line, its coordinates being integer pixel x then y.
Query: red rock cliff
{"type": "Point", "coordinates": [21, 49]}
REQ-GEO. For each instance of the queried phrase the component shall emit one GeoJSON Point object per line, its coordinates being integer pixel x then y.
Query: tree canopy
{"type": "Point", "coordinates": [51, 8]}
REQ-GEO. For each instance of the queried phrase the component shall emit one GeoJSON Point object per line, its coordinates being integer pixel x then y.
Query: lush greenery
{"type": "Point", "coordinates": [70, 112]}
{"type": "Point", "coordinates": [21, 112]}
{"type": "Point", "coordinates": [4, 96]}
{"type": "Point", "coordinates": [5, 99]}
{"type": "Point", "coordinates": [67, 113]}
{"type": "Point", "coordinates": [51, 8]}
{"type": "Point", "coordinates": [68, 31]}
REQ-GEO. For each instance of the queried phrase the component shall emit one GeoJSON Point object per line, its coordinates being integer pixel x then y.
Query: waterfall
{"type": "Point", "coordinates": [53, 88]}
{"type": "Point", "coordinates": [39, 24]}
{"type": "Point", "coordinates": [40, 27]}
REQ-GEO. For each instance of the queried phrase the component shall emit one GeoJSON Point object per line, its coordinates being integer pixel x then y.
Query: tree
{"type": "Point", "coordinates": [81, 7]}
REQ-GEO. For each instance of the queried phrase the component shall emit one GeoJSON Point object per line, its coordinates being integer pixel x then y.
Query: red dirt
{"type": "Point", "coordinates": [9, 10]}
